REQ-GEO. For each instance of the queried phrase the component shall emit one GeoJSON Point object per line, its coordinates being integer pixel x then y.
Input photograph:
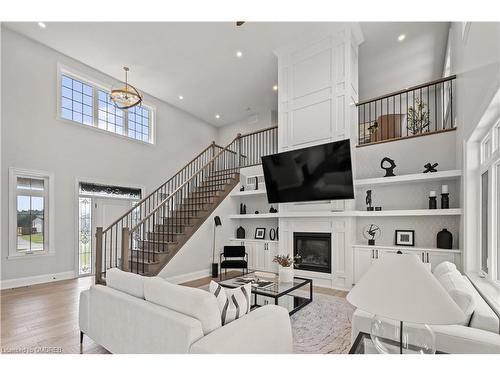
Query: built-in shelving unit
{"type": "Point", "coordinates": [409, 178]}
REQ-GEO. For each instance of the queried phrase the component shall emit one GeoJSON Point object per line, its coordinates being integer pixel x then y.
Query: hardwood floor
{"type": "Point", "coordinates": [44, 318]}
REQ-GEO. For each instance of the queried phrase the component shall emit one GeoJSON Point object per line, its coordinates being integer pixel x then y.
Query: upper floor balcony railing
{"type": "Point", "coordinates": [416, 111]}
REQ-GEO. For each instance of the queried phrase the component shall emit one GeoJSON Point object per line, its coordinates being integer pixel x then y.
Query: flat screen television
{"type": "Point", "coordinates": [322, 172]}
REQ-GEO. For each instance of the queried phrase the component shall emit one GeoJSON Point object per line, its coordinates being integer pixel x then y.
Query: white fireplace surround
{"type": "Point", "coordinates": [341, 231]}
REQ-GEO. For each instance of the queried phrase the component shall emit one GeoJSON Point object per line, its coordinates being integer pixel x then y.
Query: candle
{"type": "Point", "coordinates": [444, 189]}
{"type": "Point", "coordinates": [432, 193]}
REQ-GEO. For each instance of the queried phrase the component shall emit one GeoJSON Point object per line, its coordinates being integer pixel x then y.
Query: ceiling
{"type": "Point", "coordinates": [198, 60]}
{"type": "Point", "coordinates": [387, 65]}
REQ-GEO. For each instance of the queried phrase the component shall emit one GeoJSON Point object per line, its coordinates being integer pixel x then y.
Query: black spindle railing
{"type": "Point", "coordinates": [419, 110]}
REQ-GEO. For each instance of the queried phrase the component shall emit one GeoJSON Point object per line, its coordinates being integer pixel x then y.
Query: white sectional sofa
{"type": "Point", "coordinates": [479, 334]}
{"type": "Point", "coordinates": [136, 314]}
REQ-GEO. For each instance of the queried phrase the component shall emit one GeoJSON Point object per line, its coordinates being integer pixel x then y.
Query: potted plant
{"type": "Point", "coordinates": [285, 263]}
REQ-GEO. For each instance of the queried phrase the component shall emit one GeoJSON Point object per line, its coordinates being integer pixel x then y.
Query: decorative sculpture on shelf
{"type": "Point", "coordinates": [371, 232]}
{"type": "Point", "coordinates": [272, 234]}
{"type": "Point", "coordinates": [243, 209]}
{"type": "Point", "coordinates": [242, 188]}
{"type": "Point", "coordinates": [430, 167]}
{"type": "Point", "coordinates": [240, 232]}
{"type": "Point", "coordinates": [273, 210]}
{"type": "Point", "coordinates": [368, 200]}
{"type": "Point", "coordinates": [389, 171]}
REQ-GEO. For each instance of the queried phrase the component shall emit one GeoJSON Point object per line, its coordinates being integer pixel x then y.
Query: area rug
{"type": "Point", "coordinates": [323, 326]}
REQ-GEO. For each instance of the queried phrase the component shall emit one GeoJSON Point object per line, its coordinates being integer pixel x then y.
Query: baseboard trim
{"type": "Point", "coordinates": [39, 279]}
{"type": "Point", "coordinates": [184, 278]}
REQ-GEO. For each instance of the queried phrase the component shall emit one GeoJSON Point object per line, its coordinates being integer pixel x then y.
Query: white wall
{"type": "Point", "coordinates": [227, 133]}
{"type": "Point", "coordinates": [34, 138]}
{"type": "Point", "coordinates": [386, 65]}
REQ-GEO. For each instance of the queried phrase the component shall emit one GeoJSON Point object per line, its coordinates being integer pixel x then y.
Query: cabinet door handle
{"type": "Point", "coordinates": [377, 253]}
{"type": "Point", "coordinates": [427, 257]}
{"type": "Point", "coordinates": [423, 257]}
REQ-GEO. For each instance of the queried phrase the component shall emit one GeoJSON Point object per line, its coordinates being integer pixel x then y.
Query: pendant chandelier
{"type": "Point", "coordinates": [125, 96]}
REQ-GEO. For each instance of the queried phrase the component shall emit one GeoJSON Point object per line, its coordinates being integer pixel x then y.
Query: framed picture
{"type": "Point", "coordinates": [405, 237]}
{"type": "Point", "coordinates": [260, 233]}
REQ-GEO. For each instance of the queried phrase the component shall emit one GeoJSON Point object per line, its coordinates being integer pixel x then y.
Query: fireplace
{"type": "Point", "coordinates": [315, 250]}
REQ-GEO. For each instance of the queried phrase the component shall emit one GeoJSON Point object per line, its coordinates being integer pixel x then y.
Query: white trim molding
{"type": "Point", "coordinates": [39, 279]}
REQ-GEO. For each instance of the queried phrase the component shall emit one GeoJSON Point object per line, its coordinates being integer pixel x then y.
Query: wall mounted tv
{"type": "Point", "coordinates": [322, 172]}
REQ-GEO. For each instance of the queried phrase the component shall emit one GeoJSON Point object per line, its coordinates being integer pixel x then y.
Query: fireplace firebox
{"type": "Point", "coordinates": [315, 251]}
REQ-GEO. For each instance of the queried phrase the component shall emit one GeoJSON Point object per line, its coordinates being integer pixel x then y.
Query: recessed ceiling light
{"type": "Point", "coordinates": [42, 25]}
{"type": "Point", "coordinates": [239, 53]}
{"type": "Point", "coordinates": [181, 97]}
{"type": "Point", "coordinates": [217, 116]}
{"type": "Point", "coordinates": [401, 37]}
{"type": "Point", "coordinates": [275, 87]}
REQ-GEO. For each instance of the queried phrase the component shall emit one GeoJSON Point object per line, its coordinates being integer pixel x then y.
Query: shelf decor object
{"type": "Point", "coordinates": [260, 233]}
{"type": "Point", "coordinates": [432, 200]}
{"type": "Point", "coordinates": [215, 266]}
{"type": "Point", "coordinates": [405, 237]}
{"type": "Point", "coordinates": [430, 167]}
{"type": "Point", "coordinates": [240, 232]}
{"type": "Point", "coordinates": [445, 197]}
{"type": "Point", "coordinates": [389, 171]}
{"type": "Point", "coordinates": [444, 239]}
{"type": "Point", "coordinates": [371, 232]}
{"type": "Point", "coordinates": [368, 200]}
{"type": "Point", "coordinates": [404, 298]}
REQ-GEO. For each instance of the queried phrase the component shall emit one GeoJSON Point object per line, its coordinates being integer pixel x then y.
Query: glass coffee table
{"type": "Point", "coordinates": [266, 288]}
{"type": "Point", "coordinates": [364, 345]}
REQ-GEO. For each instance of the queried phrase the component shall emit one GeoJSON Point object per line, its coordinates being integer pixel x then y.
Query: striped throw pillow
{"type": "Point", "coordinates": [233, 303]}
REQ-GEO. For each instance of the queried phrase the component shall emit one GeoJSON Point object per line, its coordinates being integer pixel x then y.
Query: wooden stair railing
{"type": "Point", "coordinates": [146, 237]}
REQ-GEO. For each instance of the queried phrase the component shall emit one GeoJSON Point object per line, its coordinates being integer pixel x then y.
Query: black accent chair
{"type": "Point", "coordinates": [234, 252]}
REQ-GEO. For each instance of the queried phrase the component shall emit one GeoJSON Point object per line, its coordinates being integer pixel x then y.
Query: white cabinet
{"type": "Point", "coordinates": [363, 259]}
{"type": "Point", "coordinates": [434, 258]}
{"type": "Point", "coordinates": [365, 256]}
{"type": "Point", "coordinates": [260, 254]}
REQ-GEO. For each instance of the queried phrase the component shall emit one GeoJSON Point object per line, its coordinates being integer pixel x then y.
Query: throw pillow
{"type": "Point", "coordinates": [233, 302]}
{"type": "Point", "coordinates": [459, 290]}
{"type": "Point", "coordinates": [443, 268]}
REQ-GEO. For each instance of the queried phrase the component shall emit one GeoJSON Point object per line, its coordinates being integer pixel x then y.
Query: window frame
{"type": "Point", "coordinates": [49, 219]}
{"type": "Point", "coordinates": [96, 87]}
{"type": "Point", "coordinates": [491, 163]}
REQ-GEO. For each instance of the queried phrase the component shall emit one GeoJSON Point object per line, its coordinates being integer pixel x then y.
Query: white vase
{"type": "Point", "coordinates": [285, 274]}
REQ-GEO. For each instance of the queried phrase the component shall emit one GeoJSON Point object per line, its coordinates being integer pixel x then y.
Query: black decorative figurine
{"type": "Point", "coordinates": [430, 168]}
{"type": "Point", "coordinates": [273, 210]}
{"type": "Point", "coordinates": [256, 212]}
{"type": "Point", "coordinates": [242, 188]}
{"type": "Point", "coordinates": [389, 171]}
{"type": "Point", "coordinates": [444, 239]}
{"type": "Point", "coordinates": [368, 200]}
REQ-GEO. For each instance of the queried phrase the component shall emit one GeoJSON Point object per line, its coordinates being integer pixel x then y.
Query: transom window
{"type": "Point", "coordinates": [90, 104]}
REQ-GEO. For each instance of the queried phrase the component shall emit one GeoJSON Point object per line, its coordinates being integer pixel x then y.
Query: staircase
{"type": "Point", "coordinates": [149, 235]}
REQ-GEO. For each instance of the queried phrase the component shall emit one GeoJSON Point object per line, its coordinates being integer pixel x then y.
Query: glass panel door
{"type": "Point", "coordinates": [85, 256]}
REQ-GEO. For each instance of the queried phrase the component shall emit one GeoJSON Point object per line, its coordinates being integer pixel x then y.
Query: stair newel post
{"type": "Point", "coordinates": [125, 248]}
{"type": "Point", "coordinates": [98, 255]}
